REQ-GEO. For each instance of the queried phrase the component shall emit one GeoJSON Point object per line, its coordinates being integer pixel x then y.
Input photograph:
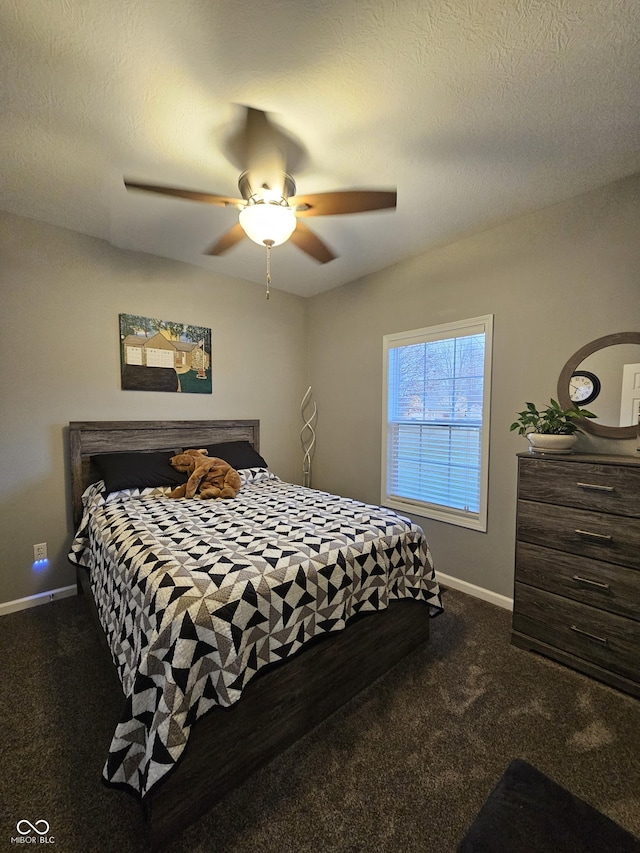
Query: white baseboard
{"type": "Point", "coordinates": [35, 600]}
{"type": "Point", "coordinates": [446, 580]}
{"type": "Point", "coordinates": [476, 591]}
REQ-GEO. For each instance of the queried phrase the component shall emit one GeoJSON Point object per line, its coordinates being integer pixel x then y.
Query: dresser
{"type": "Point", "coordinates": [577, 568]}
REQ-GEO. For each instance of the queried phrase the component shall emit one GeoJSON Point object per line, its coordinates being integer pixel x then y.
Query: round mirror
{"type": "Point", "coordinates": [604, 377]}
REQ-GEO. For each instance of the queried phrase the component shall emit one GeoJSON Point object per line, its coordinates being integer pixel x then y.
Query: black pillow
{"type": "Point", "coordinates": [137, 470]}
{"type": "Point", "coordinates": [239, 454]}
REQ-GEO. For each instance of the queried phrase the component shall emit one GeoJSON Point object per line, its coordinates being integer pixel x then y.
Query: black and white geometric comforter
{"type": "Point", "coordinates": [197, 596]}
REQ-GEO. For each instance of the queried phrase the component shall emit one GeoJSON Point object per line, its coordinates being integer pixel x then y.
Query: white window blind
{"type": "Point", "coordinates": [436, 419]}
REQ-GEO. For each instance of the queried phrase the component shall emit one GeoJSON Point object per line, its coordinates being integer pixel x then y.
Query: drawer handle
{"type": "Point", "coordinates": [602, 640]}
{"type": "Point", "coordinates": [590, 582]}
{"type": "Point", "coordinates": [594, 487]}
{"type": "Point", "coordinates": [591, 535]}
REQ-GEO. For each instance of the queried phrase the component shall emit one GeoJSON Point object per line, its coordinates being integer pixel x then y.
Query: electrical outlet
{"type": "Point", "coordinates": [40, 552]}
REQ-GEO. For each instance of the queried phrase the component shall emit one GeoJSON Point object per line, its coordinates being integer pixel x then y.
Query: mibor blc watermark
{"type": "Point", "coordinates": [33, 833]}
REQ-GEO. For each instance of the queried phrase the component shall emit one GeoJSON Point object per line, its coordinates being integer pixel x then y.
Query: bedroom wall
{"type": "Point", "coordinates": [554, 281]}
{"type": "Point", "coordinates": [59, 361]}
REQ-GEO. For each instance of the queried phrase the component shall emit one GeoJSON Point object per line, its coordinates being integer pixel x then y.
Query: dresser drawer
{"type": "Point", "coordinates": [605, 639]}
{"type": "Point", "coordinates": [603, 488]}
{"type": "Point", "coordinates": [615, 539]}
{"type": "Point", "coordinates": [604, 585]}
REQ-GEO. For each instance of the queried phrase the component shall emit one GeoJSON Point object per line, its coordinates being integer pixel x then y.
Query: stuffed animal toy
{"type": "Point", "coordinates": [209, 476]}
{"type": "Point", "coordinates": [185, 462]}
{"type": "Point", "coordinates": [218, 480]}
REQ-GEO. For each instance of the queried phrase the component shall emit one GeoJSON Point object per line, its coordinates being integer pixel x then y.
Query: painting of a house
{"type": "Point", "coordinates": [157, 355]}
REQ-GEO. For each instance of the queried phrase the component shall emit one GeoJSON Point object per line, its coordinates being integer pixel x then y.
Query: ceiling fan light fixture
{"type": "Point", "coordinates": [268, 223]}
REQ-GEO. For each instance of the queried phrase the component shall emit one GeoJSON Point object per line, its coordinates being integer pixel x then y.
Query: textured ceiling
{"type": "Point", "coordinates": [476, 110]}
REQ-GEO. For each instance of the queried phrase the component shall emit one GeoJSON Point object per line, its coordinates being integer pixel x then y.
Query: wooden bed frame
{"type": "Point", "coordinates": [283, 702]}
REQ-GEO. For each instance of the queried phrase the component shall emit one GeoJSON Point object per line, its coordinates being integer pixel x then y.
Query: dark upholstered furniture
{"type": "Point", "coordinates": [527, 812]}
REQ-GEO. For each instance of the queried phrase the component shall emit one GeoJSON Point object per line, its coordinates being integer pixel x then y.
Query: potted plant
{"type": "Point", "coordinates": [552, 430]}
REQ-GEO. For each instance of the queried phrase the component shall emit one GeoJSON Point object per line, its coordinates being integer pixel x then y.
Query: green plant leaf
{"type": "Point", "coordinates": [552, 420]}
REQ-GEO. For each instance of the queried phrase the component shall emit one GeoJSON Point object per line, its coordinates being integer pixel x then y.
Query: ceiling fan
{"type": "Point", "coordinates": [270, 211]}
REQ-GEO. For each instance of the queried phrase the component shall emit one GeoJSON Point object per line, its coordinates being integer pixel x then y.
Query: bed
{"type": "Point", "coordinates": [235, 626]}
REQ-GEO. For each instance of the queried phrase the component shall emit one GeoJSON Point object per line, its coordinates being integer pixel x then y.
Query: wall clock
{"type": "Point", "coordinates": [584, 387]}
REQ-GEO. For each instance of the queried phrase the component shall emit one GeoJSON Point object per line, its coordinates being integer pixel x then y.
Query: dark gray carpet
{"type": "Point", "coordinates": [404, 767]}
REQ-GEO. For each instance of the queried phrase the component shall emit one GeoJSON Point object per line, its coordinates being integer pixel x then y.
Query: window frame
{"type": "Point", "coordinates": [450, 515]}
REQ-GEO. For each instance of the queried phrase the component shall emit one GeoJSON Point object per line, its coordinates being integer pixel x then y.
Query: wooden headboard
{"type": "Point", "coordinates": [91, 438]}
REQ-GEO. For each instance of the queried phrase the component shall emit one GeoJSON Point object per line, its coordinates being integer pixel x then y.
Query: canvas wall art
{"type": "Point", "coordinates": [158, 355]}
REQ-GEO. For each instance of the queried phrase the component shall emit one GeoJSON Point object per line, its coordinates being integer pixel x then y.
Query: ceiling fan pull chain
{"type": "Point", "coordinates": [268, 244]}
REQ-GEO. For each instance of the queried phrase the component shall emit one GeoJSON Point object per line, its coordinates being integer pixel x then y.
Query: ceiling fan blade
{"type": "Point", "coordinates": [254, 123]}
{"type": "Point", "coordinates": [257, 129]}
{"type": "Point", "coordinates": [191, 195]}
{"type": "Point", "coordinates": [227, 241]}
{"type": "Point", "coordinates": [306, 240]}
{"type": "Point", "coordinates": [344, 201]}
{"type": "Point", "coordinates": [264, 156]}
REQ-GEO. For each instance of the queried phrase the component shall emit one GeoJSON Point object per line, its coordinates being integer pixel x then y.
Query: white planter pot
{"type": "Point", "coordinates": [548, 443]}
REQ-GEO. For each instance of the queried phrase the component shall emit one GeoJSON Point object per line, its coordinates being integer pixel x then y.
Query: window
{"type": "Point", "coordinates": [436, 421]}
